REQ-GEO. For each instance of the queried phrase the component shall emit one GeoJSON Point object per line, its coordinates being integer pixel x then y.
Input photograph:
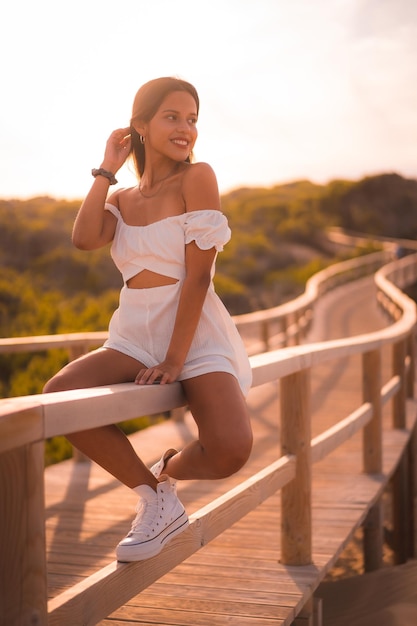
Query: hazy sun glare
{"type": "Point", "coordinates": [288, 90]}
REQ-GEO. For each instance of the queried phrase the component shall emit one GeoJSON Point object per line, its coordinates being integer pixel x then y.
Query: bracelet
{"type": "Point", "coordinates": [106, 174]}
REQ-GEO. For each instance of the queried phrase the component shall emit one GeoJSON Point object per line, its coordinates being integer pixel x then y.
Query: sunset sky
{"type": "Point", "coordinates": [289, 89]}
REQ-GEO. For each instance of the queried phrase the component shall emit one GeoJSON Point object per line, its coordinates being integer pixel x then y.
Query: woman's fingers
{"type": "Point", "coordinates": [152, 376]}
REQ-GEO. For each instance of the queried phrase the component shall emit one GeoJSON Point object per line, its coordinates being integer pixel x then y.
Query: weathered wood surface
{"type": "Point", "coordinates": [385, 597]}
{"type": "Point", "coordinates": [237, 578]}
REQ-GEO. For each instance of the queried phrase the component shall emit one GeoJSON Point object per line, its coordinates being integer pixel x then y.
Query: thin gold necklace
{"type": "Point", "coordinates": [160, 183]}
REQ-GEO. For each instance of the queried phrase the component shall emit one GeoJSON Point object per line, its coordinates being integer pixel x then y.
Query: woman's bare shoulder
{"type": "Point", "coordinates": [199, 187]}
{"type": "Point", "coordinates": [200, 170]}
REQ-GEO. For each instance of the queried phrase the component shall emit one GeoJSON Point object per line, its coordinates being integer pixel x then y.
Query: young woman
{"type": "Point", "coordinates": [170, 324]}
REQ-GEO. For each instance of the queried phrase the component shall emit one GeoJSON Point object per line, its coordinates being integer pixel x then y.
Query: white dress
{"type": "Point", "coordinates": [142, 325]}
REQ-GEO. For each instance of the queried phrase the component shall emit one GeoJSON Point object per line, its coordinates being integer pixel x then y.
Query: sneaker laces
{"type": "Point", "coordinates": [146, 512]}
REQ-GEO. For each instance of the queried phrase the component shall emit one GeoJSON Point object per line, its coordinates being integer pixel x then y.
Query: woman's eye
{"type": "Point", "coordinates": [173, 117]}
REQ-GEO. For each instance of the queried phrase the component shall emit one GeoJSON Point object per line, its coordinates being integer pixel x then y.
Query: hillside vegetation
{"type": "Point", "coordinates": [47, 286]}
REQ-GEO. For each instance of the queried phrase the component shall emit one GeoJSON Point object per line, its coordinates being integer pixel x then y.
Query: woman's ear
{"type": "Point", "coordinates": [140, 127]}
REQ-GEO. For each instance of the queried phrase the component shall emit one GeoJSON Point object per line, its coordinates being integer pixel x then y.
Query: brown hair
{"type": "Point", "coordinates": [147, 101]}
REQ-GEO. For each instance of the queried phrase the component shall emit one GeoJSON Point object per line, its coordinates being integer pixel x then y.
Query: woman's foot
{"type": "Point", "coordinates": [160, 517]}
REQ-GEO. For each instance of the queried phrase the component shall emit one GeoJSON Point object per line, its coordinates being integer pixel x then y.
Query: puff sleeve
{"type": "Point", "coordinates": [208, 228]}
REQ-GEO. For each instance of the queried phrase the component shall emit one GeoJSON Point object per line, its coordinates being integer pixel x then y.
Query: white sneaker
{"type": "Point", "coordinates": [159, 467]}
{"type": "Point", "coordinates": [160, 517]}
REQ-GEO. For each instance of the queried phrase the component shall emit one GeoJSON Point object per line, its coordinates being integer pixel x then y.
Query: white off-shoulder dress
{"type": "Point", "coordinates": [142, 325]}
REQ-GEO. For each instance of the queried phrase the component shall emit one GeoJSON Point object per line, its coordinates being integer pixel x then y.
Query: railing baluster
{"type": "Point", "coordinates": [399, 352]}
{"type": "Point", "coordinates": [371, 391]}
{"type": "Point", "coordinates": [296, 525]}
{"type": "Point", "coordinates": [411, 351]}
{"type": "Point", "coordinates": [372, 458]}
{"type": "Point", "coordinates": [401, 507]}
{"type": "Point", "coordinates": [265, 335]}
{"type": "Point", "coordinates": [23, 592]}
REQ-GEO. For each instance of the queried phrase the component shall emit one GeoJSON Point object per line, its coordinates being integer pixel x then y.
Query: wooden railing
{"type": "Point", "coordinates": [26, 422]}
{"type": "Point", "coordinates": [279, 326]}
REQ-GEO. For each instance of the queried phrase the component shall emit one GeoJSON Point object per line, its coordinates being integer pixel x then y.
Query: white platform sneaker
{"type": "Point", "coordinates": [160, 517]}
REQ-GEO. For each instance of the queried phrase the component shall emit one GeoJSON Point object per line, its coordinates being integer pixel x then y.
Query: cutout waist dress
{"type": "Point", "coordinates": [142, 325]}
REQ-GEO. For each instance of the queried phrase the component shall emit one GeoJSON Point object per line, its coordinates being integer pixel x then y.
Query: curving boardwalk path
{"type": "Point", "coordinates": [236, 579]}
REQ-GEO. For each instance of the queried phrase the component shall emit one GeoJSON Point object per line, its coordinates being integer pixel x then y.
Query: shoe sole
{"type": "Point", "coordinates": [148, 549]}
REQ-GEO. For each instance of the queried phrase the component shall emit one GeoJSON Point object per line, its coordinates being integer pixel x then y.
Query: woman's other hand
{"type": "Point", "coordinates": [159, 374]}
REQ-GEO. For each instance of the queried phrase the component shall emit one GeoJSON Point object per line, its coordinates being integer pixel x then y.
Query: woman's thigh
{"type": "Point", "coordinates": [219, 409]}
{"type": "Point", "coordinates": [104, 366]}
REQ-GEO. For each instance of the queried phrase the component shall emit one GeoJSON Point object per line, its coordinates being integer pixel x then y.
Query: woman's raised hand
{"type": "Point", "coordinates": [117, 149]}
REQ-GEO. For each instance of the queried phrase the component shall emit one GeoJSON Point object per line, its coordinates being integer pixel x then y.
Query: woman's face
{"type": "Point", "coordinates": [173, 129]}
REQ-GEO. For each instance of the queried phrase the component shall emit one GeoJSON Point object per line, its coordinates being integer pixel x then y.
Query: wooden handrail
{"type": "Point", "coordinates": [26, 422]}
{"type": "Point", "coordinates": [317, 285]}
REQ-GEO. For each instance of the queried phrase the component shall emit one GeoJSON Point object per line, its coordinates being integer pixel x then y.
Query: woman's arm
{"type": "Point", "coordinates": [94, 227]}
{"type": "Point", "coordinates": [200, 192]}
{"type": "Point", "coordinates": [190, 305]}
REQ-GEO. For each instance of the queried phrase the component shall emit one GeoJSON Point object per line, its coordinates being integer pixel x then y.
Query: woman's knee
{"type": "Point", "coordinates": [231, 455]}
{"type": "Point", "coordinates": [240, 451]}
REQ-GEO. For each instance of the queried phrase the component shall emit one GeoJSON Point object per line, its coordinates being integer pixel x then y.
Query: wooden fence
{"type": "Point", "coordinates": [26, 422]}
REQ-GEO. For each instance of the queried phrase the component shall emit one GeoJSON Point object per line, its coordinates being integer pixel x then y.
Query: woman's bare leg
{"type": "Point", "coordinates": [225, 434]}
{"type": "Point", "coordinates": [107, 445]}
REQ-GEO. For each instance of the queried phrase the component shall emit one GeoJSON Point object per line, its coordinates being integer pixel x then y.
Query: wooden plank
{"type": "Point", "coordinates": [65, 411]}
{"type": "Point", "coordinates": [217, 613]}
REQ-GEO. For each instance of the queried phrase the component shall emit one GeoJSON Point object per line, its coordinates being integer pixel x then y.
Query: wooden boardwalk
{"type": "Point", "coordinates": [236, 579]}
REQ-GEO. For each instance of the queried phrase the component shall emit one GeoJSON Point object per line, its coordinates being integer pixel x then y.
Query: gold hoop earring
{"type": "Point", "coordinates": [142, 139]}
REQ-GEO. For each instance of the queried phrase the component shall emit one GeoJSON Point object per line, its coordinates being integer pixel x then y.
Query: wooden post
{"type": "Point", "coordinates": [401, 511]}
{"type": "Point", "coordinates": [23, 591]}
{"type": "Point", "coordinates": [400, 480]}
{"type": "Point", "coordinates": [307, 319]}
{"type": "Point", "coordinates": [411, 351]}
{"type": "Point", "coordinates": [371, 392]}
{"type": "Point", "coordinates": [265, 335]}
{"type": "Point", "coordinates": [372, 458]}
{"type": "Point", "coordinates": [284, 330]}
{"type": "Point", "coordinates": [296, 335]}
{"type": "Point", "coordinates": [296, 529]}
{"type": "Point", "coordinates": [413, 491]}
{"type": "Point", "coordinates": [399, 352]}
